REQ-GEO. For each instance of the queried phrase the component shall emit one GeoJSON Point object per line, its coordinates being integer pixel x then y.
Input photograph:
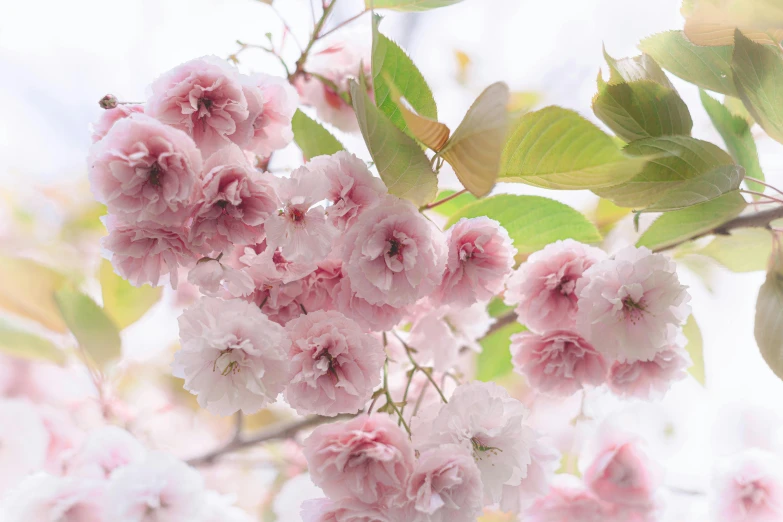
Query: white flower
{"type": "Point", "coordinates": [47, 498]}
{"type": "Point", "coordinates": [544, 461]}
{"type": "Point", "coordinates": [157, 489]}
{"type": "Point", "coordinates": [484, 419]}
{"type": "Point", "coordinates": [211, 275]}
{"type": "Point", "coordinates": [631, 306]}
{"type": "Point", "coordinates": [104, 450]}
{"type": "Point", "coordinates": [221, 508]}
{"type": "Point", "coordinates": [24, 441]}
{"type": "Point", "coordinates": [232, 357]}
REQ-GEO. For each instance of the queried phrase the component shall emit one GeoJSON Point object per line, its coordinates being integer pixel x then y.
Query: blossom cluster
{"type": "Point", "coordinates": [108, 475]}
{"type": "Point", "coordinates": [594, 319]}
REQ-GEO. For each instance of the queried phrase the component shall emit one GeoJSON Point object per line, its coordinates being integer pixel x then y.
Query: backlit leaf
{"type": "Point", "coordinates": [744, 250]}
{"type": "Point", "coordinates": [557, 148]}
{"type": "Point", "coordinates": [695, 348]}
{"type": "Point", "coordinates": [495, 358]}
{"type": "Point", "coordinates": [636, 68]}
{"type": "Point", "coordinates": [475, 147]}
{"type": "Point", "coordinates": [93, 329]}
{"type": "Point", "coordinates": [408, 5]}
{"type": "Point", "coordinates": [27, 289]}
{"type": "Point", "coordinates": [312, 137]}
{"type": "Point", "coordinates": [453, 205]}
{"type": "Point", "coordinates": [430, 132]}
{"type": "Point", "coordinates": [712, 22]}
{"type": "Point", "coordinates": [123, 302]}
{"type": "Point", "coordinates": [18, 343]}
{"type": "Point", "coordinates": [768, 328]}
{"type": "Point", "coordinates": [401, 163]}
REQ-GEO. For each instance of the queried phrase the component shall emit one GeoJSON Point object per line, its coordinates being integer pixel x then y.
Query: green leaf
{"type": "Point", "coordinates": [735, 132]}
{"type": "Point", "coordinates": [532, 221]}
{"type": "Point", "coordinates": [634, 69]}
{"type": "Point", "coordinates": [312, 137]}
{"type": "Point", "coordinates": [124, 303]}
{"type": "Point", "coordinates": [557, 148]}
{"type": "Point", "coordinates": [768, 328]}
{"type": "Point", "coordinates": [27, 290]}
{"type": "Point", "coordinates": [408, 5]}
{"type": "Point", "coordinates": [677, 226]}
{"type": "Point", "coordinates": [390, 64]}
{"type": "Point", "coordinates": [607, 214]}
{"type": "Point", "coordinates": [495, 358]}
{"type": "Point", "coordinates": [744, 250]}
{"type": "Point", "coordinates": [402, 164]}
{"type": "Point", "coordinates": [641, 109]}
{"type": "Point", "coordinates": [18, 343]}
{"type": "Point", "coordinates": [685, 171]}
{"type": "Point", "coordinates": [497, 307]}
{"type": "Point", "coordinates": [707, 67]}
{"type": "Point", "coordinates": [695, 349]}
{"type": "Point", "coordinates": [453, 205]}
{"type": "Point", "coordinates": [758, 76]}
{"type": "Point", "coordinates": [93, 329]}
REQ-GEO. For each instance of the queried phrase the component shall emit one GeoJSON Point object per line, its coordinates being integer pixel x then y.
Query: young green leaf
{"type": "Point", "coordinates": [768, 328]}
{"type": "Point", "coordinates": [744, 250]}
{"type": "Point", "coordinates": [475, 147]}
{"type": "Point", "coordinates": [495, 358]}
{"type": "Point", "coordinates": [758, 76]}
{"type": "Point", "coordinates": [685, 171]}
{"type": "Point", "coordinates": [453, 205]}
{"type": "Point", "coordinates": [392, 68]}
{"type": "Point", "coordinates": [402, 164]}
{"type": "Point", "coordinates": [312, 137]}
{"type": "Point", "coordinates": [408, 5]}
{"type": "Point", "coordinates": [708, 22]}
{"type": "Point", "coordinates": [26, 289]}
{"type": "Point", "coordinates": [93, 329]}
{"type": "Point", "coordinates": [607, 214]}
{"type": "Point", "coordinates": [736, 134]}
{"type": "Point", "coordinates": [641, 109]}
{"type": "Point", "coordinates": [557, 148]}
{"type": "Point", "coordinates": [532, 221]}
{"type": "Point", "coordinates": [636, 68]}
{"type": "Point", "coordinates": [695, 349]}
{"type": "Point", "coordinates": [123, 302]}
{"type": "Point", "coordinates": [680, 225]}
{"type": "Point", "coordinates": [707, 67]}
{"type": "Point", "coordinates": [18, 343]}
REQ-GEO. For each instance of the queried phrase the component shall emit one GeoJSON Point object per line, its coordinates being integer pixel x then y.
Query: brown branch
{"type": "Point", "coordinates": [319, 25]}
{"type": "Point", "coordinates": [279, 432]}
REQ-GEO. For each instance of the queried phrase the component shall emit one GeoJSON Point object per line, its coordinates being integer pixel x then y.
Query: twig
{"type": "Point", "coordinates": [319, 25]}
{"type": "Point", "coordinates": [754, 180]}
{"type": "Point", "coordinates": [344, 23]}
{"type": "Point", "coordinates": [286, 26]}
{"type": "Point", "coordinates": [282, 431]}
{"type": "Point", "coordinates": [390, 400]}
{"type": "Point", "coordinates": [761, 194]}
{"type": "Point", "coordinates": [500, 322]}
{"type": "Point", "coordinates": [423, 370]}
{"type": "Point", "coordinates": [444, 200]}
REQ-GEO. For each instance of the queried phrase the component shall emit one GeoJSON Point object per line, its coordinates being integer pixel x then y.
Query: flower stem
{"type": "Point", "coordinates": [444, 200]}
{"type": "Point", "coordinates": [423, 370]}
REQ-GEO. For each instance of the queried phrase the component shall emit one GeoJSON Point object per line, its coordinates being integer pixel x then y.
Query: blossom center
{"type": "Point", "coordinates": [325, 358]}
{"type": "Point", "coordinates": [155, 174]}
{"type": "Point", "coordinates": [395, 247]}
{"type": "Point", "coordinates": [480, 448]}
{"type": "Point", "coordinates": [226, 364]}
{"type": "Point", "coordinates": [633, 309]}
{"type": "Point", "coordinates": [752, 495]}
{"type": "Point", "coordinates": [204, 106]}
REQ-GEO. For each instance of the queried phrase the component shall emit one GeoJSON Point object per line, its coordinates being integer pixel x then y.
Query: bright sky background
{"type": "Point", "coordinates": [57, 59]}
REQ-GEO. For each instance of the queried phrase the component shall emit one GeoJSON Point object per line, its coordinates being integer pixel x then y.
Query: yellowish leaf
{"type": "Point", "coordinates": [430, 132]}
{"type": "Point", "coordinates": [124, 303]}
{"type": "Point", "coordinates": [27, 289]}
{"type": "Point", "coordinates": [463, 66]}
{"type": "Point", "coordinates": [712, 22]}
{"type": "Point", "coordinates": [475, 148]}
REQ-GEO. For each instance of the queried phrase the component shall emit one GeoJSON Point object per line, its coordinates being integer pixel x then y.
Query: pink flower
{"type": "Point", "coordinates": [159, 488]}
{"type": "Point", "coordinates": [482, 418]}
{"type": "Point", "coordinates": [271, 102]}
{"type": "Point", "coordinates": [649, 379]}
{"type": "Point", "coordinates": [104, 451]}
{"type": "Point", "coordinates": [353, 189]}
{"type": "Point", "coordinates": [568, 501]}
{"type": "Point", "coordinates": [233, 203]}
{"type": "Point", "coordinates": [376, 318]}
{"type": "Point", "coordinates": [268, 265]}
{"type": "Point", "coordinates": [559, 362]}
{"type": "Point", "coordinates": [232, 357]}
{"type": "Point", "coordinates": [144, 252]}
{"type": "Point", "coordinates": [111, 116]}
{"type": "Point", "coordinates": [335, 365]}
{"type": "Point", "coordinates": [446, 485]}
{"type": "Point", "coordinates": [210, 275]}
{"type": "Point", "coordinates": [24, 441]}
{"type": "Point", "coordinates": [393, 255]}
{"type": "Point", "coordinates": [544, 462]}
{"type": "Point", "coordinates": [203, 97]}
{"type": "Point", "coordinates": [221, 508]}
{"type": "Point", "coordinates": [353, 510]}
{"type": "Point", "coordinates": [338, 62]}
{"type": "Point", "coordinates": [300, 228]}
{"type": "Point", "coordinates": [319, 288]}
{"type": "Point", "coordinates": [749, 488]}
{"type": "Point", "coordinates": [623, 474]}
{"type": "Point", "coordinates": [145, 171]}
{"type": "Point", "coordinates": [367, 458]}
{"type": "Point", "coordinates": [630, 307]}
{"type": "Point", "coordinates": [481, 257]}
{"type": "Point", "coordinates": [43, 498]}
{"type": "Point", "coordinates": [544, 288]}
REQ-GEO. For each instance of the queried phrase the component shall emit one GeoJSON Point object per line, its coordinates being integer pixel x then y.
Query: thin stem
{"type": "Point", "coordinates": [238, 425]}
{"type": "Point", "coordinates": [389, 399]}
{"type": "Point", "coordinates": [405, 393]}
{"type": "Point", "coordinates": [344, 23]}
{"type": "Point", "coordinates": [319, 25]}
{"type": "Point", "coordinates": [423, 370]}
{"type": "Point", "coordinates": [762, 195]}
{"type": "Point", "coordinates": [444, 200]}
{"type": "Point", "coordinates": [287, 27]}
{"type": "Point", "coordinates": [754, 180]}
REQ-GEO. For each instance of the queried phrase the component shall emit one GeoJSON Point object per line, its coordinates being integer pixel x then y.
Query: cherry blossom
{"type": "Point", "coordinates": [631, 306]}
{"type": "Point", "coordinates": [271, 103]}
{"type": "Point", "coordinates": [211, 276]}
{"type": "Point", "coordinates": [24, 441]}
{"type": "Point", "coordinates": [748, 487]}
{"type": "Point", "coordinates": [203, 97]}
{"type": "Point", "coordinates": [43, 498]}
{"type": "Point", "coordinates": [143, 170]}
{"type": "Point", "coordinates": [105, 450]}
{"type": "Point", "coordinates": [544, 462]}
{"type": "Point", "coordinates": [568, 501]}
{"type": "Point", "coordinates": [559, 362]}
{"type": "Point", "coordinates": [393, 255]}
{"type": "Point", "coordinates": [335, 365]}
{"type": "Point", "coordinates": [544, 288]}
{"type": "Point", "coordinates": [480, 258]}
{"type": "Point", "coordinates": [109, 117]}
{"type": "Point", "coordinates": [353, 510]}
{"type": "Point", "coordinates": [649, 379]}
{"type": "Point", "coordinates": [233, 358]}
{"type": "Point", "coordinates": [368, 458]}
{"type": "Point", "coordinates": [372, 317]}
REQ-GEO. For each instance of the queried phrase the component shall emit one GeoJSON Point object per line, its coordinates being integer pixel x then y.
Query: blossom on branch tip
{"type": "Point", "coordinates": [649, 379]}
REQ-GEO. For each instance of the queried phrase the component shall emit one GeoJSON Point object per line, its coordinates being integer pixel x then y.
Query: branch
{"type": "Point", "coordinates": [281, 431]}
{"type": "Point", "coordinates": [319, 25]}
{"type": "Point", "coordinates": [756, 220]}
